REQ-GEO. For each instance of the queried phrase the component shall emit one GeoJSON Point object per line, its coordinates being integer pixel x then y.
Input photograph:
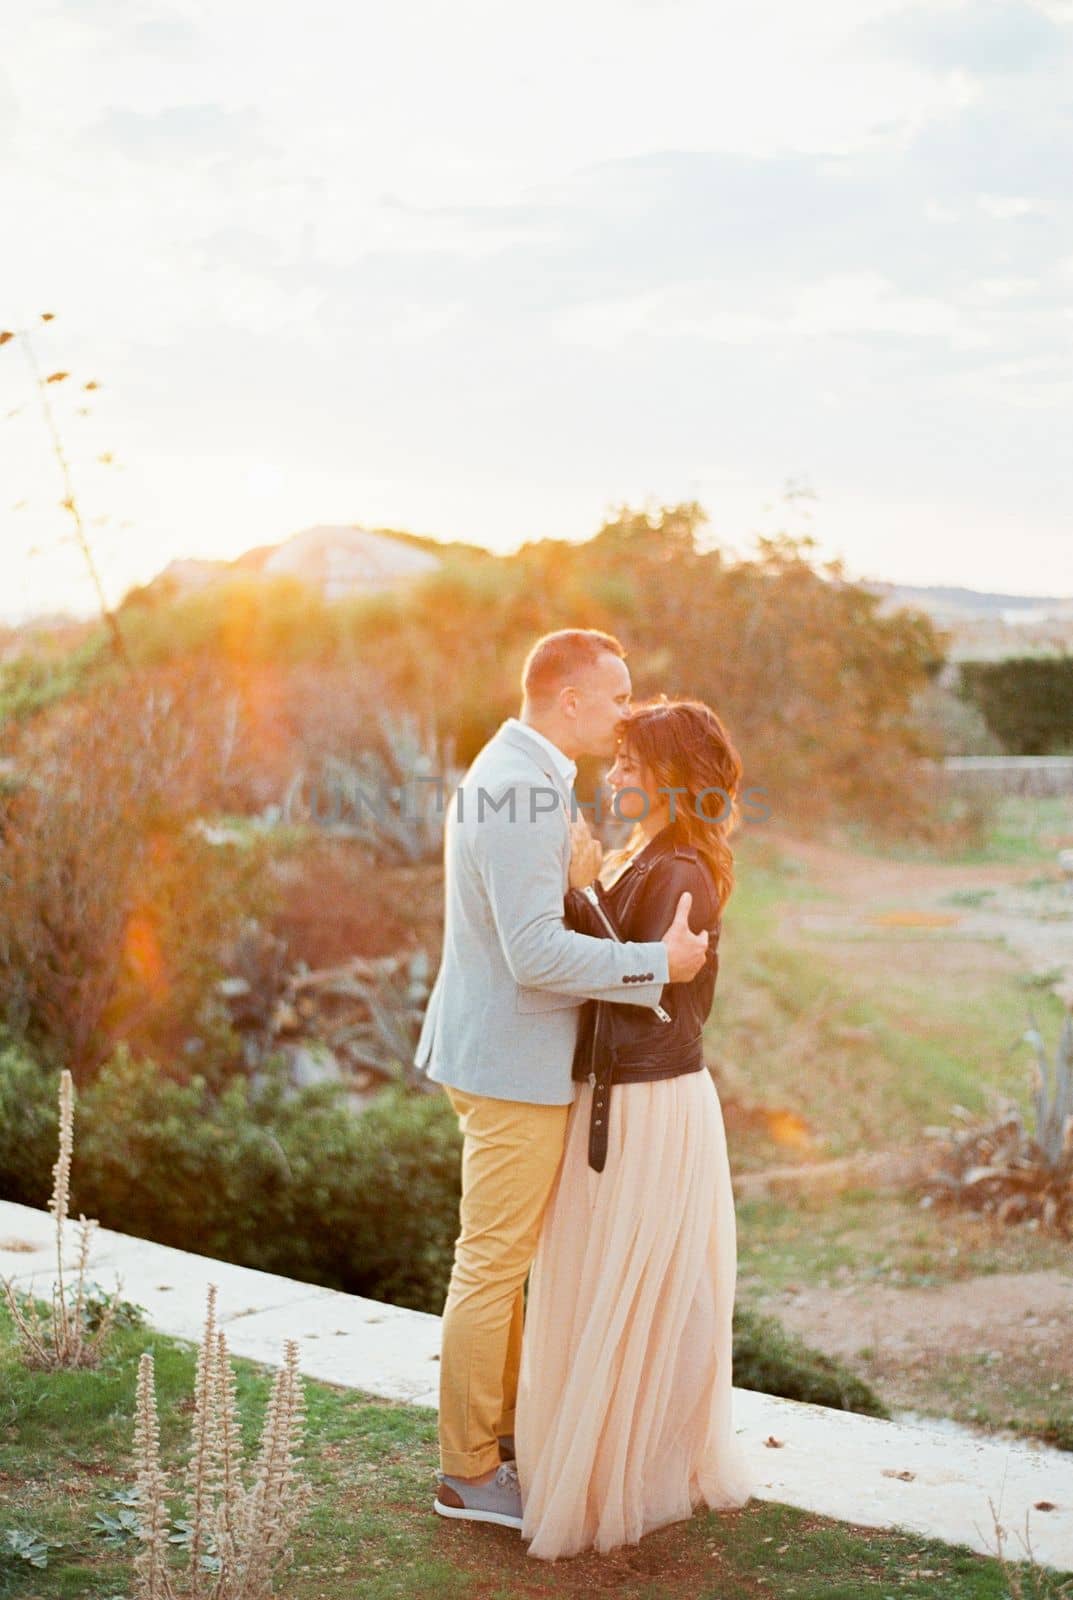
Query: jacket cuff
{"type": "Point", "coordinates": [659, 962]}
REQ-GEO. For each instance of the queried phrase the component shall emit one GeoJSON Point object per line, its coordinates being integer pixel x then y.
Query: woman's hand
{"type": "Point", "coordinates": [586, 854]}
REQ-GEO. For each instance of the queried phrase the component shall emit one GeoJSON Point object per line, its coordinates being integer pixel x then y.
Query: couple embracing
{"type": "Point", "coordinates": [565, 1025]}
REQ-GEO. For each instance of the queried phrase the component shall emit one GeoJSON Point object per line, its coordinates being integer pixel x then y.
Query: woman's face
{"type": "Point", "coordinates": [635, 793]}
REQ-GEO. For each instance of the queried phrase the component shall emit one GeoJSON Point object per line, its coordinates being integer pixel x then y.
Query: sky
{"type": "Point", "coordinates": [486, 272]}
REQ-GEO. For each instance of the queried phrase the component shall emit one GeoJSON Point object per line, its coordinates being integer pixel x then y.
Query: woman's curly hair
{"type": "Point", "coordinates": [685, 747]}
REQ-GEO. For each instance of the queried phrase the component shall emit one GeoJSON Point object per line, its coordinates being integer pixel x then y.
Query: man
{"type": "Point", "coordinates": [500, 1030]}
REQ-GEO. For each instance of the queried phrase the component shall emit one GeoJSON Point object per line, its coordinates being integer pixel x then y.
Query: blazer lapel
{"type": "Point", "coordinates": [540, 758]}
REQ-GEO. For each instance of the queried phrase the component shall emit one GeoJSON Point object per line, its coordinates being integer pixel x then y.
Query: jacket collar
{"type": "Point", "coordinates": [518, 736]}
{"type": "Point", "coordinates": [661, 844]}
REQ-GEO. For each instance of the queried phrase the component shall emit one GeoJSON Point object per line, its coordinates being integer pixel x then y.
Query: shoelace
{"type": "Point", "coordinates": [507, 1476]}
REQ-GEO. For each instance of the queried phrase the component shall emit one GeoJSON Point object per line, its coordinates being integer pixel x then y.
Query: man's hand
{"type": "Point", "coordinates": [586, 854]}
{"type": "Point", "coordinates": [686, 950]}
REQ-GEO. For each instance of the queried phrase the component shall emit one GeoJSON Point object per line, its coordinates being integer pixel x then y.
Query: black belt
{"type": "Point", "coordinates": [688, 1059]}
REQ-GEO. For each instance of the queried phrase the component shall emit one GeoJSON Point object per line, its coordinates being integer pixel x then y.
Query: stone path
{"type": "Point", "coordinates": [853, 1468]}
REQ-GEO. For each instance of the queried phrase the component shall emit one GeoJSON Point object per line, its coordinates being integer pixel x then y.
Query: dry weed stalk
{"type": "Point", "coordinates": [1043, 1585]}
{"type": "Point", "coordinates": [237, 1536]}
{"type": "Point", "coordinates": [202, 1472]}
{"type": "Point", "coordinates": [64, 1342]}
{"type": "Point", "coordinates": [150, 1564]}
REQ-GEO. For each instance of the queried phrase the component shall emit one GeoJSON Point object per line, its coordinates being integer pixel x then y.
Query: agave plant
{"type": "Point", "coordinates": [1002, 1168]}
{"type": "Point", "coordinates": [1054, 1108]}
{"type": "Point", "coordinates": [385, 1040]}
{"type": "Point", "coordinates": [392, 797]}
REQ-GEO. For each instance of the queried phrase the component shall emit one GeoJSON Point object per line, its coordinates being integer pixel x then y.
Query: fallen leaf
{"type": "Point", "coordinates": [895, 1472]}
{"type": "Point", "coordinates": [773, 1443]}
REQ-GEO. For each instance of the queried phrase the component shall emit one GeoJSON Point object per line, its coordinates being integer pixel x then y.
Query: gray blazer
{"type": "Point", "coordinates": [503, 1013]}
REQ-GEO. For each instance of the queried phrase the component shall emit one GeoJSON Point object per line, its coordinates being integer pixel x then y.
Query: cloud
{"type": "Point", "coordinates": [845, 305]}
{"type": "Point", "coordinates": [1008, 207]}
{"type": "Point", "coordinates": [168, 36]}
{"type": "Point", "coordinates": [983, 37]}
{"type": "Point", "coordinates": [811, 239]}
{"type": "Point", "coordinates": [183, 133]}
{"type": "Point", "coordinates": [9, 116]}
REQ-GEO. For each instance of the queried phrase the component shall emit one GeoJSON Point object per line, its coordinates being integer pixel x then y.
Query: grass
{"type": "Point", "coordinates": [854, 1033]}
{"type": "Point", "coordinates": [65, 1448]}
{"type": "Point", "coordinates": [860, 1239]}
{"type": "Point", "coordinates": [873, 1237]}
{"type": "Point", "coordinates": [871, 1037]}
{"type": "Point", "coordinates": [1019, 829]}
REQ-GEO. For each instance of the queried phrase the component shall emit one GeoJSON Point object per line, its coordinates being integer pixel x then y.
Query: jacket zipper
{"type": "Point", "coordinates": [594, 900]}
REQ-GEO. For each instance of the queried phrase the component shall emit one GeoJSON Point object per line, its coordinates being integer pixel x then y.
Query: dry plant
{"type": "Point", "coordinates": [366, 1012]}
{"type": "Point", "coordinates": [999, 1167]}
{"type": "Point", "coordinates": [70, 500]}
{"type": "Point", "coordinates": [1038, 1584]}
{"type": "Point", "coordinates": [65, 1340]}
{"type": "Point", "coordinates": [112, 911]}
{"type": "Point", "coordinates": [236, 1535]}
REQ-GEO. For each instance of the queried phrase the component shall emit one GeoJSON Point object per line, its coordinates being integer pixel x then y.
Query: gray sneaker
{"type": "Point", "coordinates": [499, 1500]}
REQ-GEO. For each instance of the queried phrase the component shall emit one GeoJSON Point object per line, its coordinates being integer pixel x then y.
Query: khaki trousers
{"type": "Point", "coordinates": [510, 1155]}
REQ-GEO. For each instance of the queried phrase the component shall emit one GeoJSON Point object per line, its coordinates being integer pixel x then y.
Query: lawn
{"type": "Point", "coordinates": [65, 1452]}
{"type": "Point", "coordinates": [868, 1032]}
{"type": "Point", "coordinates": [878, 1258]}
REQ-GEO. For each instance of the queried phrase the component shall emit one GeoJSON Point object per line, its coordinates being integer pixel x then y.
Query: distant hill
{"type": "Point", "coordinates": [984, 625]}
{"type": "Point", "coordinates": [973, 604]}
{"type": "Point", "coordinates": [336, 560]}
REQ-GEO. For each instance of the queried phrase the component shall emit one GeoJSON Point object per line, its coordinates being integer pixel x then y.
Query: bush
{"type": "Point", "coordinates": [771, 1360]}
{"type": "Point", "coordinates": [114, 910]}
{"type": "Point", "coordinates": [1026, 701]}
{"type": "Point", "coordinates": [366, 1203]}
{"type": "Point", "coordinates": [28, 1123]}
{"type": "Point", "coordinates": [48, 670]}
{"type": "Point", "coordinates": [377, 1196]}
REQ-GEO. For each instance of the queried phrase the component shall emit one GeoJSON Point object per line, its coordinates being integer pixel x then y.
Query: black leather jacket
{"type": "Point", "coordinates": [620, 1043]}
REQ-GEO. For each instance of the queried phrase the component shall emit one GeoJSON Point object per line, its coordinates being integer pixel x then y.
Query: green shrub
{"type": "Point", "coordinates": [28, 1124]}
{"type": "Point", "coordinates": [375, 1197]}
{"type": "Point", "coordinates": [771, 1360]}
{"type": "Point", "coordinates": [46, 672]}
{"type": "Point", "coordinates": [301, 1186]}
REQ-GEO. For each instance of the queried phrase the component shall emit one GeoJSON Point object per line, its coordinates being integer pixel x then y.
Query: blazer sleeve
{"type": "Point", "coordinates": [519, 856]}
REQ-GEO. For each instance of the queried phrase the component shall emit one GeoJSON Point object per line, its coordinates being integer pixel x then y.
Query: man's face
{"type": "Point", "coordinates": [601, 701]}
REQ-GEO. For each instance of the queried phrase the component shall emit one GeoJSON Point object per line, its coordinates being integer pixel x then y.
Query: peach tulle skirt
{"type": "Point", "coordinates": [624, 1404]}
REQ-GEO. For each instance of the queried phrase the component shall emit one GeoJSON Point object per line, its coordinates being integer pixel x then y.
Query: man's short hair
{"type": "Point", "coordinates": [557, 658]}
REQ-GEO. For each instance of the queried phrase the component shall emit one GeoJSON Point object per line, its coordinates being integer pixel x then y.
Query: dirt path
{"type": "Point", "coordinates": [865, 878]}
{"type": "Point", "coordinates": [1013, 1313]}
{"type": "Point", "coordinates": [1015, 916]}
{"type": "Point", "coordinates": [990, 1353]}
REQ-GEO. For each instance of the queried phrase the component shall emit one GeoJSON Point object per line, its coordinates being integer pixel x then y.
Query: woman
{"type": "Point", "coordinates": [624, 1405]}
